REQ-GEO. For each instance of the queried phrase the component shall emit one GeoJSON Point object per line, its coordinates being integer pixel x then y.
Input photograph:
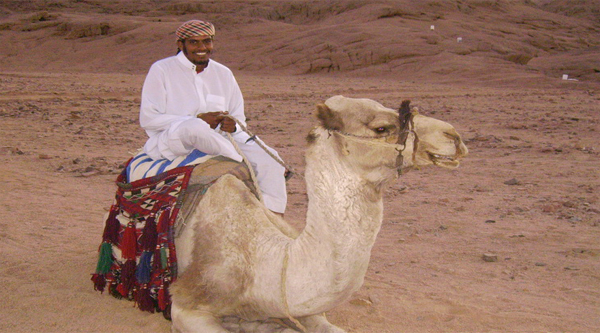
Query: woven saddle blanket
{"type": "Point", "coordinates": [137, 257]}
{"type": "Point", "coordinates": [142, 166]}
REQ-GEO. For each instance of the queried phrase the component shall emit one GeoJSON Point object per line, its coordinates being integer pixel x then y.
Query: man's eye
{"type": "Point", "coordinates": [381, 130]}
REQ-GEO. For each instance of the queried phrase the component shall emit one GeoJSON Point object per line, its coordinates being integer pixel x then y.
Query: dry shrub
{"type": "Point", "coordinates": [82, 30]}
{"type": "Point", "coordinates": [183, 8]}
{"type": "Point", "coordinates": [396, 12]}
{"type": "Point", "coordinates": [6, 26]}
{"type": "Point", "coordinates": [432, 39]}
{"type": "Point", "coordinates": [304, 12]}
{"type": "Point", "coordinates": [519, 58]}
{"type": "Point", "coordinates": [39, 26]}
{"type": "Point", "coordinates": [41, 17]}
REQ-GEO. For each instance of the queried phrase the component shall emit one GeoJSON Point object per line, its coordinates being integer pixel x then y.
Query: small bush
{"type": "Point", "coordinates": [82, 30]}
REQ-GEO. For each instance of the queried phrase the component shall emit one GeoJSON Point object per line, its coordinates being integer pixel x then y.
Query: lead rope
{"type": "Point", "coordinates": [262, 145]}
{"type": "Point", "coordinates": [250, 169]}
{"type": "Point", "coordinates": [287, 252]}
{"type": "Point", "coordinates": [284, 290]}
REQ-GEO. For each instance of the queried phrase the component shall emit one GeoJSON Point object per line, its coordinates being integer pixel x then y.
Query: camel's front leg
{"type": "Point", "coordinates": [319, 324]}
{"type": "Point", "coordinates": [189, 321]}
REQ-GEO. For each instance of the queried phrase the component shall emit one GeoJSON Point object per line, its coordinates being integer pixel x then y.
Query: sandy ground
{"type": "Point", "coordinates": [527, 195]}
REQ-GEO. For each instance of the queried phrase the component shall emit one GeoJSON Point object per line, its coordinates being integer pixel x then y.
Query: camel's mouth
{"type": "Point", "coordinates": [445, 161]}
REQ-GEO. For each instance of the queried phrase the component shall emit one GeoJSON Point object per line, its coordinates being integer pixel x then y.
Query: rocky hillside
{"type": "Point", "coordinates": [411, 40]}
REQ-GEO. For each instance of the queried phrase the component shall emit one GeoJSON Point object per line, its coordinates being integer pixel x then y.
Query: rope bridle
{"type": "Point", "coordinates": [409, 127]}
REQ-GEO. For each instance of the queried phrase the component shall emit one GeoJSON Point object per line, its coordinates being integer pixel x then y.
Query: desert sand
{"type": "Point", "coordinates": [508, 242]}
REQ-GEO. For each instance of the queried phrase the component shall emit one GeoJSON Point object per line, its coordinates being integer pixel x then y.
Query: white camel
{"type": "Point", "coordinates": [239, 260]}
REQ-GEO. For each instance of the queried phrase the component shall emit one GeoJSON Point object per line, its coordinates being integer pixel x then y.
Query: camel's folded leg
{"type": "Point", "coordinates": [260, 327]}
{"type": "Point", "coordinates": [188, 321]}
{"type": "Point", "coordinates": [319, 324]}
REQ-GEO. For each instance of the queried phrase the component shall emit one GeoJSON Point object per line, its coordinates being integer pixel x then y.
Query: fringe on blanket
{"type": "Point", "coordinates": [137, 257]}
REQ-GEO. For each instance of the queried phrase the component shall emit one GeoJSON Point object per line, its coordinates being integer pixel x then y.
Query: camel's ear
{"type": "Point", "coordinates": [329, 118]}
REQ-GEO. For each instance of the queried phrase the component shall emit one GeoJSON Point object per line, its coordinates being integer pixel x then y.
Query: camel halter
{"type": "Point", "coordinates": [400, 145]}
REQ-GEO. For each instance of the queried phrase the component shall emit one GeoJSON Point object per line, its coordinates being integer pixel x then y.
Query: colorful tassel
{"type": "Point", "coordinates": [164, 299]}
{"type": "Point", "coordinates": [149, 235]}
{"type": "Point", "coordinates": [105, 258]}
{"type": "Point", "coordinates": [157, 262]}
{"type": "Point", "coordinates": [163, 221]}
{"type": "Point", "coordinates": [163, 257]}
{"type": "Point", "coordinates": [123, 290]}
{"type": "Point", "coordinates": [112, 226]}
{"type": "Point", "coordinates": [144, 268]}
{"type": "Point", "coordinates": [99, 282]}
{"type": "Point", "coordinates": [129, 242]}
{"type": "Point", "coordinates": [128, 275]}
{"type": "Point", "coordinates": [113, 289]}
{"type": "Point", "coordinates": [144, 300]}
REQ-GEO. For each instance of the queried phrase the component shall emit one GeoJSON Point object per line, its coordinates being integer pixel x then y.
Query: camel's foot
{"type": "Point", "coordinates": [319, 324]}
{"type": "Point", "coordinates": [189, 321]}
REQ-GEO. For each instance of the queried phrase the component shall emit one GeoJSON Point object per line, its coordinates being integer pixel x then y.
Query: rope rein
{"type": "Point", "coordinates": [284, 269]}
{"type": "Point", "coordinates": [250, 169]}
{"type": "Point", "coordinates": [284, 290]}
{"type": "Point", "coordinates": [262, 145]}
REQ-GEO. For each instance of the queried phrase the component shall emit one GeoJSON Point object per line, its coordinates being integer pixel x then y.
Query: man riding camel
{"type": "Point", "coordinates": [185, 102]}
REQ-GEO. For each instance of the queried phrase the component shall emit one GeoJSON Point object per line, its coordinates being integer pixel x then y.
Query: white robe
{"type": "Point", "coordinates": [174, 94]}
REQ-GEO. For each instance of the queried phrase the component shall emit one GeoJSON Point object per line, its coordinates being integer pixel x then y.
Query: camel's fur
{"type": "Point", "coordinates": [239, 259]}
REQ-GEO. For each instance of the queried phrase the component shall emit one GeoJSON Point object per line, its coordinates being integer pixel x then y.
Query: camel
{"type": "Point", "coordinates": [243, 261]}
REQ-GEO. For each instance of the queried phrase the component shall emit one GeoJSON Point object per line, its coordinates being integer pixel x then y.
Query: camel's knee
{"type": "Point", "coordinates": [188, 321]}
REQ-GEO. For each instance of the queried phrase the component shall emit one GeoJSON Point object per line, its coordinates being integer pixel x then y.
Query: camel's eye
{"type": "Point", "coordinates": [384, 129]}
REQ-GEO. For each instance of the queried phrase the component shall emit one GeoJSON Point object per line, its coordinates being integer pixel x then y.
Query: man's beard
{"type": "Point", "coordinates": [201, 63]}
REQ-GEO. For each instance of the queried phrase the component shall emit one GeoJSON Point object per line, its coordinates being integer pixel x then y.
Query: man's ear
{"type": "Point", "coordinates": [329, 119]}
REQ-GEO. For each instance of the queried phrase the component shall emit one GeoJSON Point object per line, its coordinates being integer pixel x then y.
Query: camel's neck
{"type": "Point", "coordinates": [343, 219]}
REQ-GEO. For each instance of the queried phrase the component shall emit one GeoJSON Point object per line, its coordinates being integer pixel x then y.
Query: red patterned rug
{"type": "Point", "coordinates": [137, 257]}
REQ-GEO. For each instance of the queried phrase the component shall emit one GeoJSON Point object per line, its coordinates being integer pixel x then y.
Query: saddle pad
{"type": "Point", "coordinates": [142, 166]}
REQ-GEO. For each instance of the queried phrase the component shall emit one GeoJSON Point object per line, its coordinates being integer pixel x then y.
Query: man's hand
{"type": "Point", "coordinates": [228, 124]}
{"type": "Point", "coordinates": [213, 119]}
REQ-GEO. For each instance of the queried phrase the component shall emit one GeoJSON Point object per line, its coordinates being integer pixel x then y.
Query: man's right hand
{"type": "Point", "coordinates": [213, 119]}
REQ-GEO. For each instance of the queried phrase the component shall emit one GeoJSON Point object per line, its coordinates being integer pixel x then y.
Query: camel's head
{"type": "Point", "coordinates": [365, 135]}
{"type": "Point", "coordinates": [434, 142]}
{"type": "Point", "coordinates": [381, 141]}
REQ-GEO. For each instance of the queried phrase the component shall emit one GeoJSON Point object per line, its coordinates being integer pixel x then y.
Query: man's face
{"type": "Point", "coordinates": [197, 49]}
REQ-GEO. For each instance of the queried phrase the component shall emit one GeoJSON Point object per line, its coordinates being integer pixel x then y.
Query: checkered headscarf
{"type": "Point", "coordinates": [195, 28]}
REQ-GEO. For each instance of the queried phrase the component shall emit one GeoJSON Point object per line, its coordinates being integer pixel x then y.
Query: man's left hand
{"type": "Point", "coordinates": [228, 125]}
